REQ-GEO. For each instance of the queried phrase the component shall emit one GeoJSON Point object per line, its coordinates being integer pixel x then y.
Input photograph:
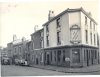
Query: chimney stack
{"type": "Point", "coordinates": [90, 14]}
{"type": "Point", "coordinates": [50, 15]}
{"type": "Point", "coordinates": [14, 37]}
{"type": "Point", "coordinates": [23, 38]}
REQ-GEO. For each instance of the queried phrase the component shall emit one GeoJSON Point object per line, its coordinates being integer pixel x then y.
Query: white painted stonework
{"type": "Point", "coordinates": [66, 21]}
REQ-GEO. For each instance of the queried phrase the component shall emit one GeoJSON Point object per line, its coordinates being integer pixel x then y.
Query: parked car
{"type": "Point", "coordinates": [23, 62]}
{"type": "Point", "coordinates": [16, 61]}
{"type": "Point", "coordinates": [5, 61]}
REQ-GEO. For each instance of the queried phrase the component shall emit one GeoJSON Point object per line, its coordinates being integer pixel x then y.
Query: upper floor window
{"type": "Point", "coordinates": [15, 50]}
{"type": "Point", "coordinates": [91, 37]}
{"type": "Point", "coordinates": [58, 22]}
{"type": "Point", "coordinates": [85, 20]}
{"type": "Point", "coordinates": [90, 24]}
{"type": "Point", "coordinates": [94, 26]}
{"type": "Point", "coordinates": [86, 36]}
{"type": "Point", "coordinates": [59, 37]}
{"type": "Point", "coordinates": [41, 43]}
{"type": "Point", "coordinates": [47, 28]}
{"type": "Point", "coordinates": [19, 49]}
{"type": "Point", "coordinates": [94, 39]}
{"type": "Point", "coordinates": [47, 40]}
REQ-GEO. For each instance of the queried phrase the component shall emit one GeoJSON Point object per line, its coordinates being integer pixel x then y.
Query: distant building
{"type": "Point", "coordinates": [98, 43]}
{"type": "Point", "coordinates": [10, 51]}
{"type": "Point", "coordinates": [29, 52]}
{"type": "Point", "coordinates": [3, 52]}
{"type": "Point", "coordinates": [17, 49]}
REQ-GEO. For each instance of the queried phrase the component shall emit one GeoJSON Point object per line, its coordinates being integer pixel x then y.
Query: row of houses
{"type": "Point", "coordinates": [69, 39]}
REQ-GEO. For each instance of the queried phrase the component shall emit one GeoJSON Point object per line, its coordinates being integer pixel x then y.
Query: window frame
{"type": "Point", "coordinates": [47, 28]}
{"type": "Point", "coordinates": [90, 24]}
{"type": "Point", "coordinates": [58, 37]}
{"type": "Point", "coordinates": [47, 40]}
{"type": "Point", "coordinates": [91, 37]}
{"type": "Point", "coordinates": [58, 22]}
{"type": "Point", "coordinates": [86, 36]}
{"type": "Point", "coordinates": [85, 20]}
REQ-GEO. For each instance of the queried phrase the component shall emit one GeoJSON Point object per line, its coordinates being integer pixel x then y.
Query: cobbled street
{"type": "Point", "coordinates": [13, 70]}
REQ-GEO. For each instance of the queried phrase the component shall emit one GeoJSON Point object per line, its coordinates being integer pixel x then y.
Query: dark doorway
{"type": "Point", "coordinates": [36, 60]}
{"type": "Point", "coordinates": [87, 58]}
{"type": "Point", "coordinates": [48, 59]}
{"type": "Point", "coordinates": [76, 56]}
{"type": "Point", "coordinates": [92, 56]}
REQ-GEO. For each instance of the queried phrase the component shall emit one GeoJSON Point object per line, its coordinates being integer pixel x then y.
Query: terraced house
{"type": "Point", "coordinates": [37, 53]}
{"type": "Point", "coordinates": [18, 49]}
{"type": "Point", "coordinates": [70, 39]}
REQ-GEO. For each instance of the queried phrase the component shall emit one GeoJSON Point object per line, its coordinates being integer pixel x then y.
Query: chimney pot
{"type": "Point", "coordinates": [50, 15]}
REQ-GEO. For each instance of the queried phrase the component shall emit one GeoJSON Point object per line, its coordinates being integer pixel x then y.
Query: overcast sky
{"type": "Point", "coordinates": [20, 18]}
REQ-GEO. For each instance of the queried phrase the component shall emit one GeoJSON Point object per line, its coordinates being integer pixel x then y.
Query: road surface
{"type": "Point", "coordinates": [13, 70]}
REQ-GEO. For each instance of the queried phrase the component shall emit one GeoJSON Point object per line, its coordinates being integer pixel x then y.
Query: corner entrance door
{"type": "Point", "coordinates": [48, 59]}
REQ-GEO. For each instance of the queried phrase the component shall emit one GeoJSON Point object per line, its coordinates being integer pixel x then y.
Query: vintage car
{"type": "Point", "coordinates": [21, 62]}
{"type": "Point", "coordinates": [5, 61]}
{"type": "Point", "coordinates": [16, 61]}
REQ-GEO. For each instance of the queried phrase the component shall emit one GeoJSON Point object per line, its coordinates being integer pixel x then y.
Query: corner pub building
{"type": "Point", "coordinates": [70, 39]}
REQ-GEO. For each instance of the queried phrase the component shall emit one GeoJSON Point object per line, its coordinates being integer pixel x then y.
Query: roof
{"type": "Point", "coordinates": [70, 10]}
{"type": "Point", "coordinates": [37, 31]}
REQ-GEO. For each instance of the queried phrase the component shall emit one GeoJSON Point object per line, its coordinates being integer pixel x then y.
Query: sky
{"type": "Point", "coordinates": [20, 18]}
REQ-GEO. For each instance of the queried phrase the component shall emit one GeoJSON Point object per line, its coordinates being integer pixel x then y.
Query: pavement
{"type": "Point", "coordinates": [89, 69]}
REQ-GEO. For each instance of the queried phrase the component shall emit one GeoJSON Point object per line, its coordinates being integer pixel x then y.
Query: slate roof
{"type": "Point", "coordinates": [68, 11]}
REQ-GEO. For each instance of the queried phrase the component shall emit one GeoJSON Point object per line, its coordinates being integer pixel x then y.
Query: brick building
{"type": "Point", "coordinates": [37, 42]}
{"type": "Point", "coordinates": [17, 49]}
{"type": "Point", "coordinates": [10, 52]}
{"type": "Point", "coordinates": [28, 53]}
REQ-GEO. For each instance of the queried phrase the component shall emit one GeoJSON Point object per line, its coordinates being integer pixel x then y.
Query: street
{"type": "Point", "coordinates": [13, 70]}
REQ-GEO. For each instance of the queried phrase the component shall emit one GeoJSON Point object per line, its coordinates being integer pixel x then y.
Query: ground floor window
{"type": "Point", "coordinates": [51, 55]}
{"type": "Point", "coordinates": [36, 60]}
{"type": "Point", "coordinates": [42, 57]}
{"type": "Point", "coordinates": [63, 55]}
{"type": "Point", "coordinates": [95, 54]}
{"type": "Point", "coordinates": [59, 55]}
{"type": "Point", "coordinates": [55, 56]}
{"type": "Point", "coordinates": [84, 54]}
